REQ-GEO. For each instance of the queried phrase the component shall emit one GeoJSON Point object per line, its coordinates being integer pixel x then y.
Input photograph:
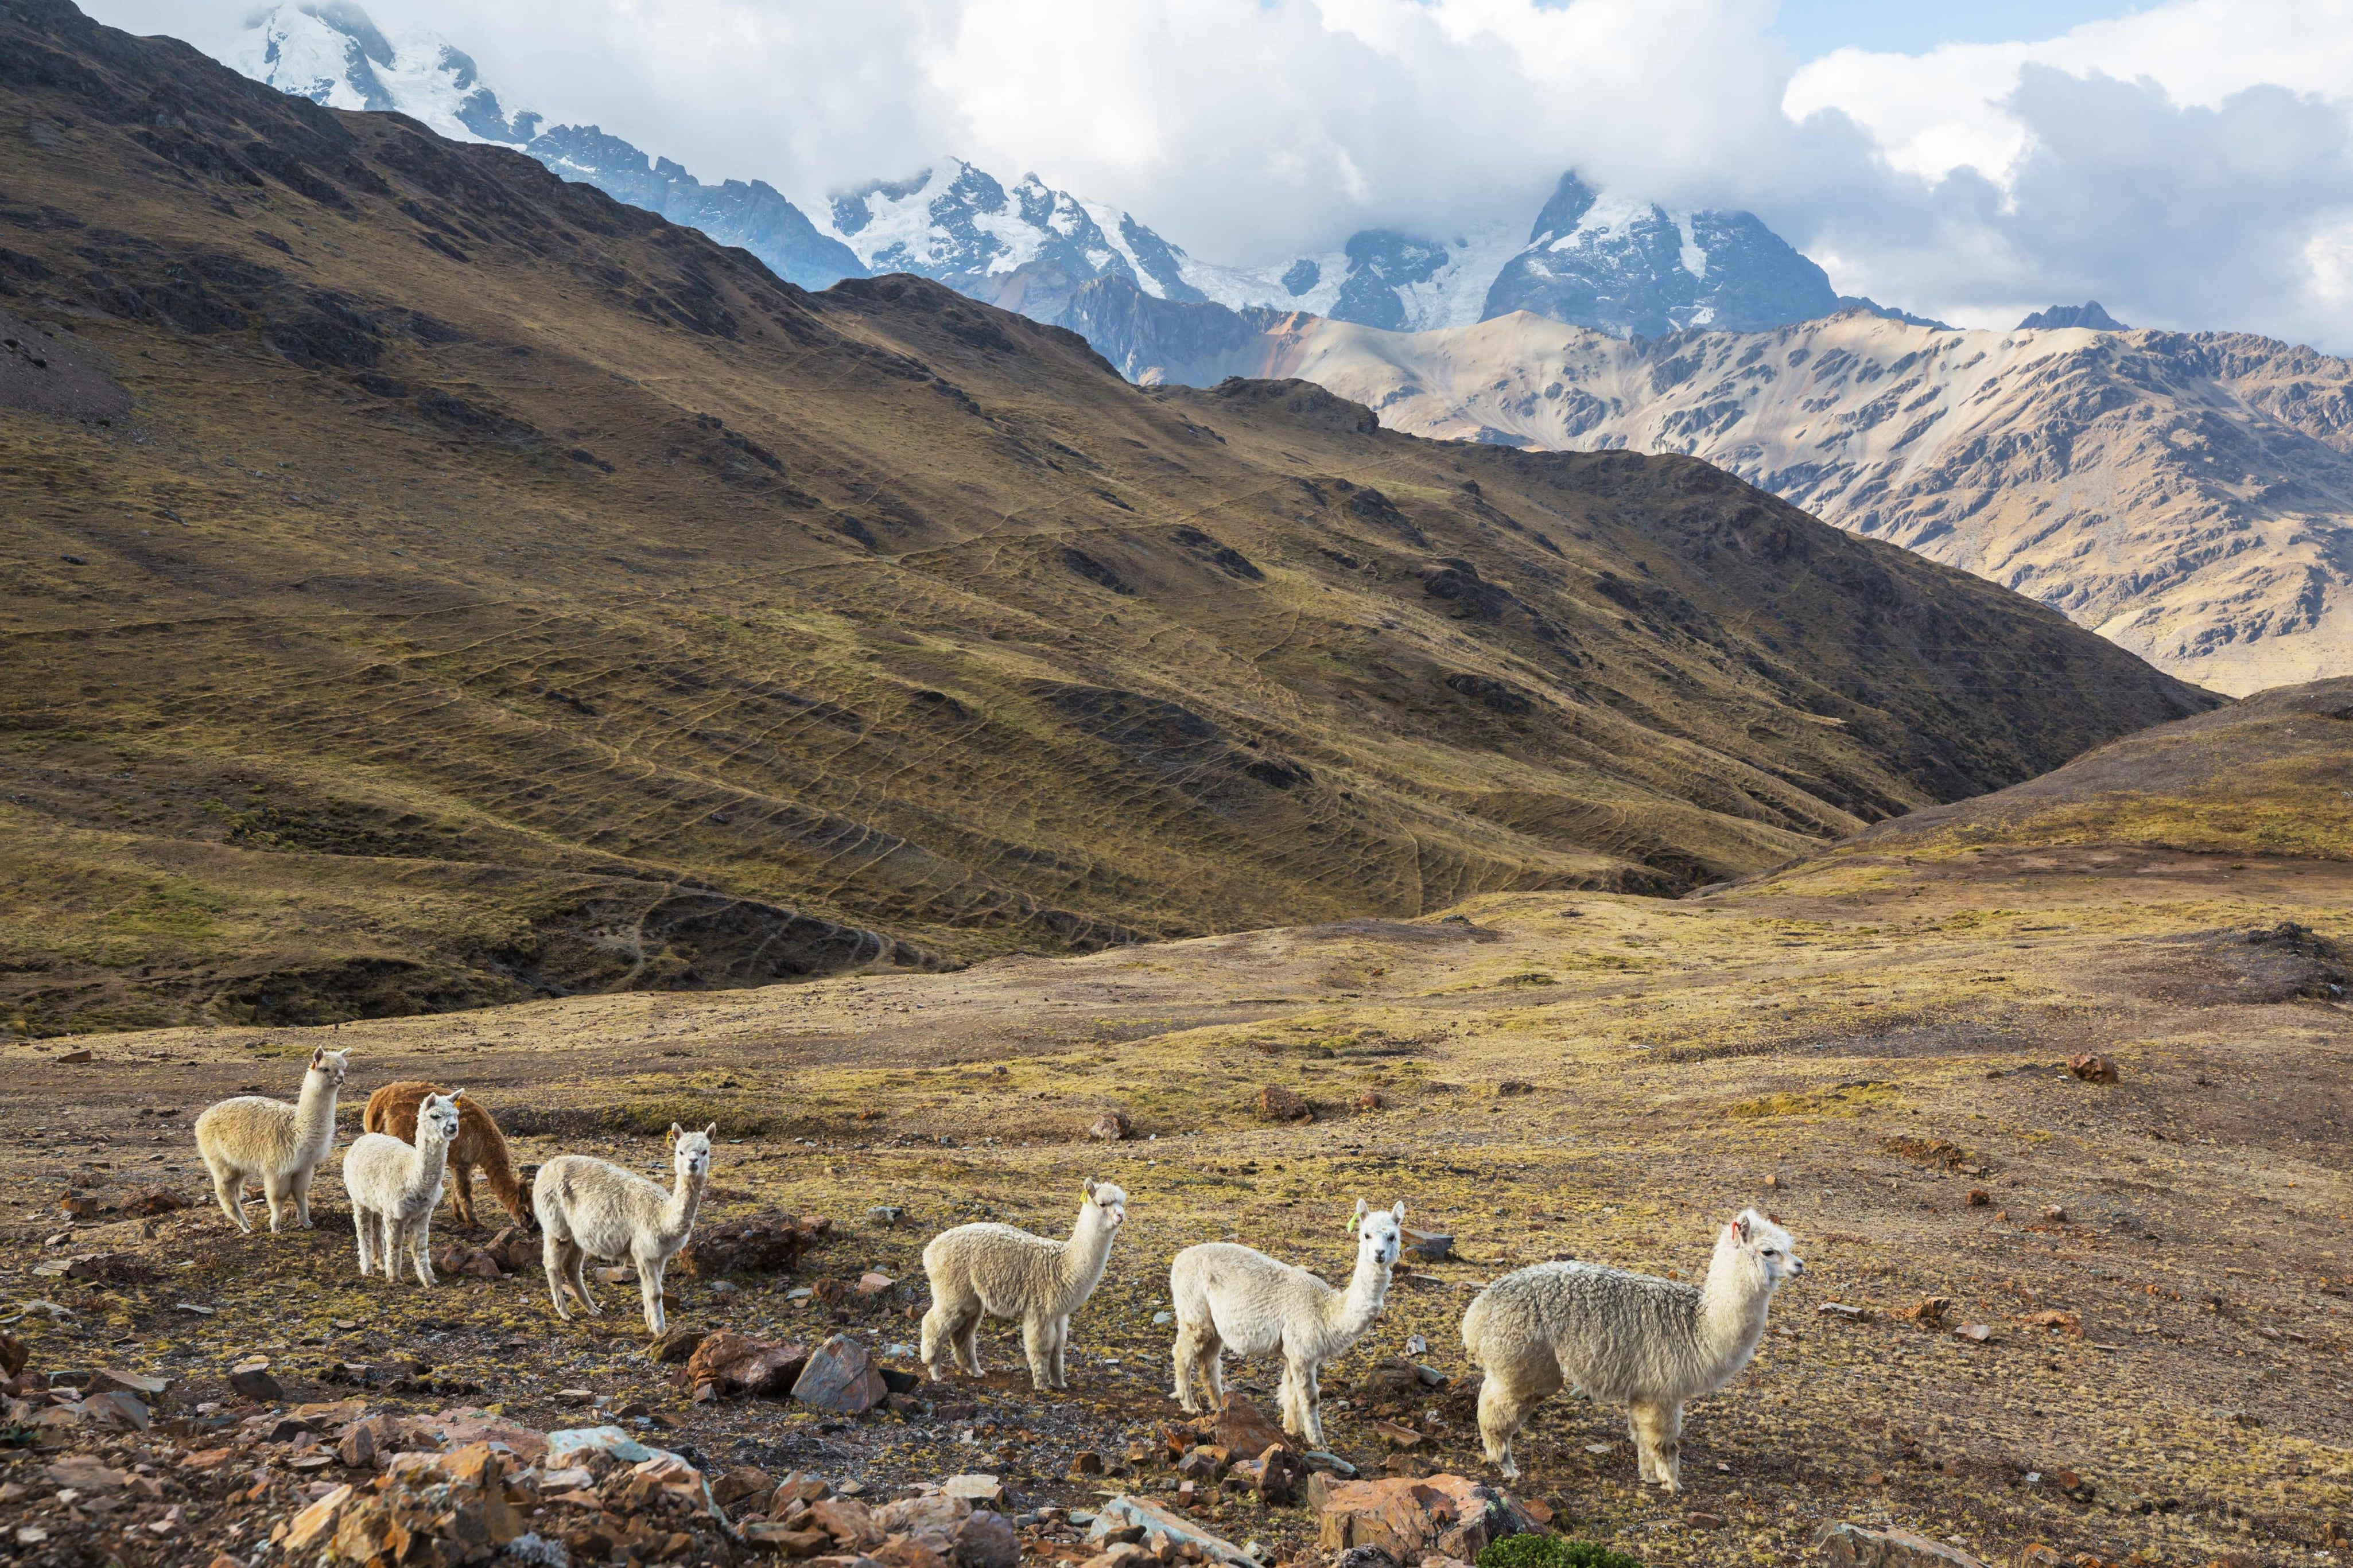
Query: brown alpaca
{"type": "Point", "coordinates": [392, 1110]}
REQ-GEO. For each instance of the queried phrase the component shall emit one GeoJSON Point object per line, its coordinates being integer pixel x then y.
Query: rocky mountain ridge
{"type": "Point", "coordinates": [2187, 495]}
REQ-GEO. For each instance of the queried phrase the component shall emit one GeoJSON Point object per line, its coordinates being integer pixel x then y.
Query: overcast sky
{"type": "Point", "coordinates": [2187, 163]}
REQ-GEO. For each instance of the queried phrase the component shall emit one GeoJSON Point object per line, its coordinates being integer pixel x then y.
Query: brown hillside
{"type": "Point", "coordinates": [430, 583]}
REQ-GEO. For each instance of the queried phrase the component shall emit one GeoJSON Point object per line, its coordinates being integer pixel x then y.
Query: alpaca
{"type": "Point", "coordinates": [272, 1143]}
{"type": "Point", "coordinates": [1625, 1338]}
{"type": "Point", "coordinates": [997, 1271]}
{"type": "Point", "coordinates": [395, 1188]}
{"type": "Point", "coordinates": [589, 1207]}
{"type": "Point", "coordinates": [1229, 1297]}
{"type": "Point", "coordinates": [392, 1110]}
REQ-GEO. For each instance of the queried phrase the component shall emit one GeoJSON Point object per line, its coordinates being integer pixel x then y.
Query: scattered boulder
{"type": "Point", "coordinates": [110, 1380]}
{"type": "Point", "coordinates": [676, 1346]}
{"type": "Point", "coordinates": [1236, 1425]}
{"type": "Point", "coordinates": [1430, 1245]}
{"type": "Point", "coordinates": [840, 1377]}
{"type": "Point", "coordinates": [1369, 1099]}
{"type": "Point", "coordinates": [1929, 1313]}
{"type": "Point", "coordinates": [1846, 1545]}
{"type": "Point", "coordinates": [873, 1284]}
{"type": "Point", "coordinates": [729, 1362]}
{"type": "Point", "coordinates": [2056, 1321]}
{"type": "Point", "coordinates": [459, 1260]}
{"type": "Point", "coordinates": [1134, 1517]}
{"type": "Point", "coordinates": [1110, 1126]}
{"type": "Point", "coordinates": [14, 1354]}
{"type": "Point", "coordinates": [154, 1201]}
{"type": "Point", "coordinates": [2093, 1067]}
{"type": "Point", "coordinates": [1276, 1104]}
{"type": "Point", "coordinates": [1413, 1517]}
{"type": "Point", "coordinates": [514, 1249]}
{"type": "Point", "coordinates": [251, 1380]}
{"type": "Point", "coordinates": [1512, 1086]}
{"type": "Point", "coordinates": [1274, 1476]}
{"type": "Point", "coordinates": [763, 1244]}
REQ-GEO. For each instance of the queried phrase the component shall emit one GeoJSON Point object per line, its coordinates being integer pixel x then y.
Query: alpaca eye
{"type": "Point", "coordinates": [1769, 1252]}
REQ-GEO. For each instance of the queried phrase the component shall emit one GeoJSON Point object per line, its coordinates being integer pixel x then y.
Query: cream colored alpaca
{"type": "Point", "coordinates": [394, 1187]}
{"type": "Point", "coordinates": [1625, 1338]}
{"type": "Point", "coordinates": [274, 1144]}
{"type": "Point", "coordinates": [997, 1271]}
{"type": "Point", "coordinates": [1233, 1298]}
{"type": "Point", "coordinates": [591, 1208]}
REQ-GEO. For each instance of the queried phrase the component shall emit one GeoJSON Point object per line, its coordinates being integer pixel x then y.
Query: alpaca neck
{"type": "Point", "coordinates": [1084, 1255]}
{"type": "Point", "coordinates": [432, 1159]}
{"type": "Point", "coordinates": [678, 1214]}
{"type": "Point", "coordinates": [314, 1112]}
{"type": "Point", "coordinates": [1732, 1306]}
{"type": "Point", "coordinates": [1349, 1313]}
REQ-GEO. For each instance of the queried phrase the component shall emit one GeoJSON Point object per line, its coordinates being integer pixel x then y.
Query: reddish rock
{"type": "Point", "coordinates": [1411, 1518]}
{"type": "Point", "coordinates": [1110, 1126]}
{"type": "Point", "coordinates": [1236, 1425]}
{"type": "Point", "coordinates": [840, 1377]}
{"type": "Point", "coordinates": [730, 1362]}
{"type": "Point", "coordinates": [1276, 1104]}
{"type": "Point", "coordinates": [154, 1201]}
{"type": "Point", "coordinates": [762, 1244]}
{"type": "Point", "coordinates": [986, 1539]}
{"type": "Point", "coordinates": [1845, 1545]}
{"type": "Point", "coordinates": [12, 1355]}
{"type": "Point", "coordinates": [851, 1524]}
{"type": "Point", "coordinates": [1274, 1476]}
{"type": "Point", "coordinates": [1370, 1100]}
{"type": "Point", "coordinates": [2093, 1068]}
{"type": "Point", "coordinates": [873, 1284]}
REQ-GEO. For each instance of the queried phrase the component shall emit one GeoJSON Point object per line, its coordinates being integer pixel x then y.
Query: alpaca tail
{"type": "Point", "coordinates": [1475, 1324]}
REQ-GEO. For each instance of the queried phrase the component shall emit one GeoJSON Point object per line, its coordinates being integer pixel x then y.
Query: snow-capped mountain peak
{"type": "Point", "coordinates": [955, 222]}
{"type": "Point", "coordinates": [332, 53]}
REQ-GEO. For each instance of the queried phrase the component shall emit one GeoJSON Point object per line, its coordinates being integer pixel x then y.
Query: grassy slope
{"type": "Point", "coordinates": [492, 590]}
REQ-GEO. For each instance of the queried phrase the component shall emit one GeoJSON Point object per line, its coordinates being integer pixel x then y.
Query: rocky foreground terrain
{"type": "Point", "coordinates": [2185, 494]}
{"type": "Point", "coordinates": [2051, 1087]}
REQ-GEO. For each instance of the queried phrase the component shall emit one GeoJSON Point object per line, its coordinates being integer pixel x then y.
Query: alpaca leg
{"type": "Point", "coordinates": [1503, 1409]}
{"type": "Point", "coordinates": [649, 1284]}
{"type": "Point", "coordinates": [1657, 1427]}
{"type": "Point", "coordinates": [420, 1247]}
{"type": "Point", "coordinates": [1186, 1355]}
{"type": "Point", "coordinates": [387, 1245]}
{"type": "Point", "coordinates": [550, 1258]}
{"type": "Point", "coordinates": [363, 1229]}
{"type": "Point", "coordinates": [575, 1274]}
{"type": "Point", "coordinates": [967, 1338]}
{"type": "Point", "coordinates": [299, 1184]}
{"type": "Point", "coordinates": [1213, 1368]}
{"type": "Point", "coordinates": [228, 1186]}
{"type": "Point", "coordinates": [1311, 1404]}
{"type": "Point", "coordinates": [461, 1193]}
{"type": "Point", "coordinates": [935, 1338]}
{"type": "Point", "coordinates": [275, 1188]}
{"type": "Point", "coordinates": [1035, 1333]}
{"type": "Point", "coordinates": [1062, 1348]}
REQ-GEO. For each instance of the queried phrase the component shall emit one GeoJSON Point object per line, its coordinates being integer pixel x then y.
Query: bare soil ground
{"type": "Point", "coordinates": [1859, 1044]}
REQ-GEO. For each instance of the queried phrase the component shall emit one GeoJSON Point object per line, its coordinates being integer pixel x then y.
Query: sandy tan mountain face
{"type": "Point", "coordinates": [2185, 495]}
{"type": "Point", "coordinates": [434, 584]}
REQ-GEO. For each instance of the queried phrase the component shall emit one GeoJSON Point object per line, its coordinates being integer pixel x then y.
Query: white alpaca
{"type": "Point", "coordinates": [1233, 1298]}
{"type": "Point", "coordinates": [591, 1208]}
{"type": "Point", "coordinates": [997, 1271]}
{"type": "Point", "coordinates": [1625, 1338]}
{"type": "Point", "coordinates": [394, 1187]}
{"type": "Point", "coordinates": [277, 1145]}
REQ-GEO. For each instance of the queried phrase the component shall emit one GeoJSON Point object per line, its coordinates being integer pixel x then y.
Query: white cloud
{"type": "Point", "coordinates": [2186, 164]}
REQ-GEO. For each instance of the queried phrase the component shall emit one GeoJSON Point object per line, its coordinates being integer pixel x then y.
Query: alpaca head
{"type": "Point", "coordinates": [1379, 1236]}
{"type": "Point", "coordinates": [690, 1152]}
{"type": "Point", "coordinates": [1760, 1247]}
{"type": "Point", "coordinates": [1107, 1205]}
{"type": "Point", "coordinates": [440, 1113]}
{"type": "Point", "coordinates": [334, 1065]}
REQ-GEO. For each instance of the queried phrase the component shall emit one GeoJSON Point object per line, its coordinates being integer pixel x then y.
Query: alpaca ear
{"type": "Point", "coordinates": [1398, 1212]}
{"type": "Point", "coordinates": [318, 1056]}
{"type": "Point", "coordinates": [1091, 1186]}
{"type": "Point", "coordinates": [1360, 1211]}
{"type": "Point", "coordinates": [710, 1130]}
{"type": "Point", "coordinates": [1741, 1228]}
{"type": "Point", "coordinates": [676, 1132]}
